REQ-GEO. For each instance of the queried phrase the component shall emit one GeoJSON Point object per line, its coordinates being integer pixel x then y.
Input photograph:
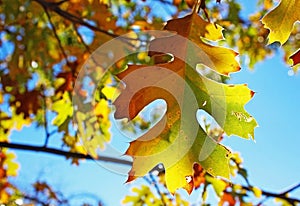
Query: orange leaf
{"type": "Point", "coordinates": [227, 198]}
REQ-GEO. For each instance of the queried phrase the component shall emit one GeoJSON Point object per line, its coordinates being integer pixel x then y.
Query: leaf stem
{"type": "Point", "coordinates": [197, 6]}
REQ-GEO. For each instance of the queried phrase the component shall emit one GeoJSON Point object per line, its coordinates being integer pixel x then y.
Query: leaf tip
{"type": "Point", "coordinates": [131, 176]}
{"type": "Point", "coordinates": [252, 93]}
{"type": "Point", "coordinates": [295, 58]}
{"type": "Point", "coordinates": [190, 184]}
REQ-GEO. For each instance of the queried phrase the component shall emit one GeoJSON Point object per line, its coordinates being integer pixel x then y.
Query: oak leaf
{"type": "Point", "coordinates": [280, 20]}
{"type": "Point", "coordinates": [177, 140]}
{"type": "Point", "coordinates": [27, 102]}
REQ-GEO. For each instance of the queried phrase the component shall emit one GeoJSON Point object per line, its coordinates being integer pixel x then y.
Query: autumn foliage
{"type": "Point", "coordinates": [53, 77]}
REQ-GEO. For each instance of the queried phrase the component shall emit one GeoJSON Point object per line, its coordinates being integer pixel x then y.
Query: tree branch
{"type": "Point", "coordinates": [62, 153]}
{"type": "Point", "coordinates": [152, 181]}
{"type": "Point", "coordinates": [291, 189]}
{"type": "Point", "coordinates": [47, 133]}
{"type": "Point", "coordinates": [282, 195]}
{"type": "Point", "coordinates": [55, 34]}
{"type": "Point", "coordinates": [34, 199]}
{"type": "Point", "coordinates": [77, 20]}
{"type": "Point", "coordinates": [87, 48]}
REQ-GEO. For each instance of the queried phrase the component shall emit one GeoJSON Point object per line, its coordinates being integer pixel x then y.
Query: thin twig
{"type": "Point", "coordinates": [47, 133]}
{"type": "Point", "coordinates": [152, 181]}
{"type": "Point", "coordinates": [282, 195]}
{"type": "Point", "coordinates": [77, 20]}
{"type": "Point", "coordinates": [34, 199]}
{"type": "Point", "coordinates": [56, 35]}
{"type": "Point", "coordinates": [81, 39]}
{"type": "Point", "coordinates": [73, 18]}
{"type": "Point", "coordinates": [157, 189]}
{"type": "Point", "coordinates": [291, 189]}
{"type": "Point", "coordinates": [275, 195]}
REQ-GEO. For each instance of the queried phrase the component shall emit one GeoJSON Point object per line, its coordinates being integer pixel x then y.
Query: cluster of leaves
{"type": "Point", "coordinates": [249, 35]}
{"type": "Point", "coordinates": [178, 168]}
{"type": "Point", "coordinates": [155, 192]}
{"type": "Point", "coordinates": [45, 43]}
{"type": "Point", "coordinates": [11, 195]}
{"type": "Point", "coordinates": [227, 192]}
{"type": "Point", "coordinates": [37, 76]}
{"type": "Point", "coordinates": [8, 168]}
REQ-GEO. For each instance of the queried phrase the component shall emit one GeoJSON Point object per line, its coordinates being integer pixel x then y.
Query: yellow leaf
{"type": "Point", "coordinates": [268, 4]}
{"type": "Point", "coordinates": [94, 133]}
{"type": "Point", "coordinates": [280, 20]}
{"type": "Point", "coordinates": [3, 196]}
{"type": "Point", "coordinates": [110, 92]}
{"type": "Point", "coordinates": [20, 122]}
{"type": "Point", "coordinates": [102, 109]}
{"type": "Point", "coordinates": [12, 167]}
{"type": "Point", "coordinates": [64, 109]}
{"type": "Point", "coordinates": [1, 97]}
{"type": "Point", "coordinates": [220, 59]}
{"type": "Point", "coordinates": [257, 192]}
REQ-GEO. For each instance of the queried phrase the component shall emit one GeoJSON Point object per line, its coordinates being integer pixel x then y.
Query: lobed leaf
{"type": "Point", "coordinates": [177, 140]}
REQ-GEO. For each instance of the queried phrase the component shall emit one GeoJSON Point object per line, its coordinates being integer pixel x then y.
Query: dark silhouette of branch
{"type": "Point", "coordinates": [282, 195]}
{"type": "Point", "coordinates": [55, 34]}
{"type": "Point", "coordinates": [47, 133]}
{"type": "Point", "coordinates": [62, 153]}
{"type": "Point", "coordinates": [35, 200]}
{"type": "Point", "coordinates": [291, 189]}
{"type": "Point", "coordinates": [77, 20]}
{"type": "Point", "coordinates": [84, 195]}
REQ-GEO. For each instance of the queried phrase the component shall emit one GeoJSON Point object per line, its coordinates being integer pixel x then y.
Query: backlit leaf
{"type": "Point", "coordinates": [280, 20]}
{"type": "Point", "coordinates": [177, 141]}
{"type": "Point", "coordinates": [295, 57]}
{"type": "Point", "coordinates": [64, 109]}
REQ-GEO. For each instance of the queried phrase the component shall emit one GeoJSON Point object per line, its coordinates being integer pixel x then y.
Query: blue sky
{"type": "Point", "coordinates": [272, 160]}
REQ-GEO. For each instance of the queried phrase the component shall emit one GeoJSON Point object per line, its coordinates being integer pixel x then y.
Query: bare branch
{"type": "Point", "coordinates": [62, 153]}
{"type": "Point", "coordinates": [291, 189]}
{"type": "Point", "coordinates": [282, 195]}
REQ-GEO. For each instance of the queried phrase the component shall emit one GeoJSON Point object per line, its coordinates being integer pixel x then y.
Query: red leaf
{"type": "Point", "coordinates": [27, 102]}
{"type": "Point", "coordinates": [296, 57]}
